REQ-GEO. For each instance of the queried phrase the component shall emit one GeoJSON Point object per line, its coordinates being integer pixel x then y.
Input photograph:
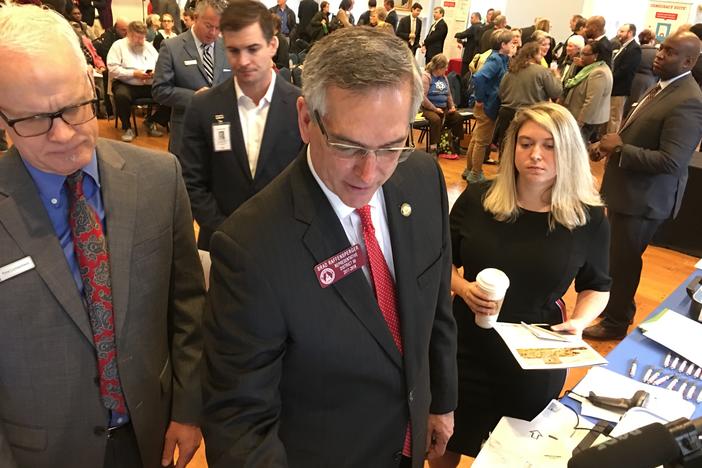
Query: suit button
{"type": "Point", "coordinates": [410, 397]}
{"type": "Point", "coordinates": [99, 431]}
{"type": "Point", "coordinates": [397, 456]}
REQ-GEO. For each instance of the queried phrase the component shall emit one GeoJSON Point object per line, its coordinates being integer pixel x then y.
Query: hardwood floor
{"type": "Point", "coordinates": [663, 269]}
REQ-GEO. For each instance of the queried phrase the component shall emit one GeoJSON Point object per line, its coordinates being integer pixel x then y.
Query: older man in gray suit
{"type": "Point", "coordinates": [101, 290]}
{"type": "Point", "coordinates": [189, 64]}
{"type": "Point", "coordinates": [646, 172]}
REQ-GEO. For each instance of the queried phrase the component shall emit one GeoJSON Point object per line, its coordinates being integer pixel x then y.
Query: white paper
{"type": "Point", "coordinates": [667, 404]}
{"type": "Point", "coordinates": [545, 442]}
{"type": "Point", "coordinates": [547, 354]}
{"type": "Point", "coordinates": [698, 265]}
{"type": "Point", "coordinates": [676, 332]}
{"type": "Point", "coordinates": [636, 418]}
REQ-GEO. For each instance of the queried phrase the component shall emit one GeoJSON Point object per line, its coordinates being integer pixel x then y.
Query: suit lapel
{"type": "Point", "coordinates": [403, 244]}
{"type": "Point", "coordinates": [24, 217]}
{"type": "Point", "coordinates": [191, 49]}
{"type": "Point", "coordinates": [275, 123]}
{"type": "Point", "coordinates": [635, 113]}
{"type": "Point", "coordinates": [119, 195]}
{"type": "Point", "coordinates": [325, 237]}
{"type": "Point", "coordinates": [220, 59]}
{"type": "Point", "coordinates": [231, 114]}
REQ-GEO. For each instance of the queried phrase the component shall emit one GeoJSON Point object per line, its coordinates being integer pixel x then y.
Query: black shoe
{"type": "Point", "coordinates": [603, 332]}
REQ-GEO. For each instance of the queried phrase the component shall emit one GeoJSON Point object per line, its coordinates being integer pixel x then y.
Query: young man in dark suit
{"type": "Point", "coordinates": [646, 172]}
{"type": "Point", "coordinates": [330, 338]}
{"type": "Point", "coordinates": [434, 42]}
{"type": "Point", "coordinates": [625, 62]}
{"type": "Point", "coordinates": [410, 28]}
{"type": "Point", "coordinates": [595, 31]}
{"type": "Point", "coordinates": [242, 133]}
{"type": "Point", "coordinates": [392, 14]}
{"type": "Point", "coordinates": [101, 287]}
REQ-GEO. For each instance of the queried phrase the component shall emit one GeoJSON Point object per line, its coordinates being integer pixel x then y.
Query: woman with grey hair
{"type": "Point", "coordinates": [541, 222]}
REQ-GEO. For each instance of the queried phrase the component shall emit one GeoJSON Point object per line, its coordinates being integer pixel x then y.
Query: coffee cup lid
{"type": "Point", "coordinates": [494, 278]}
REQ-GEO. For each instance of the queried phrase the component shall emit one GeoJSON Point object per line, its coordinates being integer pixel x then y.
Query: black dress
{"type": "Point", "coordinates": [541, 265]}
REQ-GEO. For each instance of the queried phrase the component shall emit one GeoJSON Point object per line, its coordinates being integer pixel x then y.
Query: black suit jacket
{"type": "Point", "coordinates": [648, 179]}
{"type": "Point", "coordinates": [434, 41]}
{"type": "Point", "coordinates": [486, 38]}
{"type": "Point", "coordinates": [303, 376]}
{"type": "Point", "coordinates": [305, 13]}
{"type": "Point", "coordinates": [392, 19]}
{"type": "Point", "coordinates": [403, 31]}
{"type": "Point", "coordinates": [605, 51]}
{"type": "Point", "coordinates": [470, 39]}
{"type": "Point", "coordinates": [624, 66]}
{"type": "Point", "coordinates": [218, 182]}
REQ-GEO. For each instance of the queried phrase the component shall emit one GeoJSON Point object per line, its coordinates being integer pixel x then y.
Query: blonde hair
{"type": "Point", "coordinates": [574, 189]}
{"type": "Point", "coordinates": [437, 62]}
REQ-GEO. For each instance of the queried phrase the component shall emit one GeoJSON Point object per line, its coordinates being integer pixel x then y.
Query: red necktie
{"type": "Point", "coordinates": [385, 294]}
{"type": "Point", "coordinates": [91, 252]}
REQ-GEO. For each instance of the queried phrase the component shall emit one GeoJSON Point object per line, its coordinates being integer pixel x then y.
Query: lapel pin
{"type": "Point", "coordinates": [406, 209]}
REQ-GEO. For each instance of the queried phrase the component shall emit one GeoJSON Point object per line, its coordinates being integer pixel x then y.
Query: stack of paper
{"type": "Point", "coordinates": [677, 333]}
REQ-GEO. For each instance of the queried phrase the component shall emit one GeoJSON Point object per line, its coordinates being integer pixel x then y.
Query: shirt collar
{"type": "Point", "coordinates": [626, 44]}
{"type": "Point", "coordinates": [268, 97]}
{"type": "Point", "coordinates": [670, 81]}
{"type": "Point", "coordinates": [50, 184]}
{"type": "Point", "coordinates": [341, 209]}
{"type": "Point", "coordinates": [198, 42]}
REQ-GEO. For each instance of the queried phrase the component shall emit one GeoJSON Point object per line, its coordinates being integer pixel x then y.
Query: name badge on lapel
{"type": "Point", "coordinates": [221, 136]}
{"type": "Point", "coordinates": [339, 266]}
{"type": "Point", "coordinates": [16, 268]}
{"type": "Point", "coordinates": [190, 62]}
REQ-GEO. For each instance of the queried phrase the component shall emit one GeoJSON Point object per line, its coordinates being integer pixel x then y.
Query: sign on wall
{"type": "Point", "coordinates": [664, 18]}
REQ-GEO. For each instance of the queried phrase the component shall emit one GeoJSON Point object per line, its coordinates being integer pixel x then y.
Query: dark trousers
{"type": "Point", "coordinates": [590, 133]}
{"type": "Point", "coordinates": [122, 450]}
{"type": "Point", "coordinates": [125, 94]}
{"type": "Point", "coordinates": [452, 120]}
{"type": "Point", "coordinates": [630, 237]}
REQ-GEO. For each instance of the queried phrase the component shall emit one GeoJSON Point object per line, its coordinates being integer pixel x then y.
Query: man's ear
{"type": "Point", "coordinates": [304, 119]}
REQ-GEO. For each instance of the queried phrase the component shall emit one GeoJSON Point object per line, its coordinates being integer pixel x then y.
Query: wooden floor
{"type": "Point", "coordinates": [663, 269]}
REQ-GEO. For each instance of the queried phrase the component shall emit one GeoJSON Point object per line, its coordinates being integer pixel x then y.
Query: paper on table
{"type": "Point", "coordinates": [698, 265]}
{"type": "Point", "coordinates": [547, 441]}
{"type": "Point", "coordinates": [534, 353]}
{"type": "Point", "coordinates": [667, 404]}
{"type": "Point", "coordinates": [677, 333]}
{"type": "Point", "coordinates": [635, 418]}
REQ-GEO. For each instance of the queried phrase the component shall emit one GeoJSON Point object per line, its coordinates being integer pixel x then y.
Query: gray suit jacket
{"type": "Point", "coordinates": [589, 100]}
{"type": "Point", "coordinates": [648, 179]}
{"type": "Point", "coordinates": [179, 73]}
{"type": "Point", "coordinates": [50, 410]}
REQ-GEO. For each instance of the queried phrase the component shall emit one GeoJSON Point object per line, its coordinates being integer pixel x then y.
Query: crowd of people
{"type": "Point", "coordinates": [339, 324]}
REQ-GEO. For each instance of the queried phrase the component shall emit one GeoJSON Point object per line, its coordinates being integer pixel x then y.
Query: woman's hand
{"type": "Point", "coordinates": [476, 299]}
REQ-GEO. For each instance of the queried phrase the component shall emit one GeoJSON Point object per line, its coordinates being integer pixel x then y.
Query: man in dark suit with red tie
{"type": "Point", "coordinates": [242, 133]}
{"type": "Point", "coordinates": [646, 172]}
{"type": "Point", "coordinates": [330, 339]}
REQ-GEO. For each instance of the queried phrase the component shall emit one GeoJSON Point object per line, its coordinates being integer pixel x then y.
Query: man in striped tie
{"type": "Point", "coordinates": [329, 339]}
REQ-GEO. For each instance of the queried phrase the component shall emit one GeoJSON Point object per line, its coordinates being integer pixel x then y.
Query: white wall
{"type": "Point", "coordinates": [521, 14]}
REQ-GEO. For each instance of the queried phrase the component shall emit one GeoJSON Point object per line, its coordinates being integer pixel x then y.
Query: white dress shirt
{"type": "Point", "coordinates": [122, 61]}
{"type": "Point", "coordinates": [413, 29]}
{"type": "Point", "coordinates": [253, 120]}
{"type": "Point", "coordinates": [351, 221]}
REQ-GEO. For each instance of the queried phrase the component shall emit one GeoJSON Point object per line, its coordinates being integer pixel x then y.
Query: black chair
{"type": "Point", "coordinates": [285, 74]}
{"type": "Point", "coordinates": [139, 103]}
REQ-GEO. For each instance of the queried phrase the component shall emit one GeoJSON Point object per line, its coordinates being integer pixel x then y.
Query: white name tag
{"type": "Point", "coordinates": [190, 62]}
{"type": "Point", "coordinates": [221, 137]}
{"type": "Point", "coordinates": [16, 268]}
{"type": "Point", "coordinates": [223, 69]}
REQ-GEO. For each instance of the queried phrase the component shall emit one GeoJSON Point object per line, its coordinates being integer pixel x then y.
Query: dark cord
{"type": "Point", "coordinates": [577, 426]}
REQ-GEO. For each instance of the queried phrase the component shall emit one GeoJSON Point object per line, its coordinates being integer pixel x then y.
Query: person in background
{"type": "Point", "coordinates": [76, 16]}
{"type": "Point", "coordinates": [568, 66]}
{"type": "Point", "coordinates": [287, 17]}
{"type": "Point", "coordinates": [434, 42]}
{"type": "Point", "coordinates": [526, 83]}
{"type": "Point", "coordinates": [644, 78]}
{"type": "Point", "coordinates": [382, 15]}
{"type": "Point", "coordinates": [438, 106]}
{"type": "Point", "coordinates": [188, 19]}
{"type": "Point", "coordinates": [344, 18]}
{"type": "Point", "coordinates": [153, 24]}
{"type": "Point", "coordinates": [305, 13]}
{"type": "Point", "coordinates": [469, 40]}
{"type": "Point", "coordinates": [544, 40]}
{"type": "Point", "coordinates": [364, 19]}
{"type": "Point", "coordinates": [587, 94]}
{"type": "Point", "coordinates": [542, 223]}
{"type": "Point", "coordinates": [409, 28]}
{"type": "Point", "coordinates": [166, 33]}
{"type": "Point", "coordinates": [391, 18]}
{"type": "Point", "coordinates": [487, 104]}
{"type": "Point", "coordinates": [281, 59]}
{"type": "Point", "coordinates": [595, 31]}
{"type": "Point", "coordinates": [625, 62]}
{"type": "Point", "coordinates": [319, 24]}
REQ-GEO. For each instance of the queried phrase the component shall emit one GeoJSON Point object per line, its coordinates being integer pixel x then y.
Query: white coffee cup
{"type": "Point", "coordinates": [494, 284]}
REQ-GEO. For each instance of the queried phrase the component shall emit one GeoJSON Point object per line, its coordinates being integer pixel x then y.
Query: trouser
{"type": "Point", "coordinates": [616, 113]}
{"type": "Point", "coordinates": [122, 450]}
{"type": "Point", "coordinates": [590, 133]}
{"type": "Point", "coordinates": [125, 94]}
{"type": "Point", "coordinates": [451, 120]}
{"type": "Point", "coordinates": [504, 118]}
{"type": "Point", "coordinates": [630, 235]}
{"type": "Point", "coordinates": [480, 140]}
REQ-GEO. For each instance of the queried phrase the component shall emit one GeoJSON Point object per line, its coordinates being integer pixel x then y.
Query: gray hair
{"type": "Point", "coordinates": [217, 5]}
{"type": "Point", "coordinates": [35, 32]}
{"type": "Point", "coordinates": [540, 35]}
{"type": "Point", "coordinates": [359, 59]}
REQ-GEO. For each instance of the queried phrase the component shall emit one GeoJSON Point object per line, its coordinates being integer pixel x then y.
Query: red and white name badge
{"type": "Point", "coordinates": [339, 266]}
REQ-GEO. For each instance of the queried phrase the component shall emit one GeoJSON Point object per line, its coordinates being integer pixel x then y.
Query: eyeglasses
{"type": "Point", "coordinates": [350, 152]}
{"type": "Point", "coordinates": [39, 124]}
{"type": "Point", "coordinates": [166, 21]}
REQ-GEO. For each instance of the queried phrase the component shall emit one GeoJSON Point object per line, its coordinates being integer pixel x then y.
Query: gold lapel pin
{"type": "Point", "coordinates": [406, 209]}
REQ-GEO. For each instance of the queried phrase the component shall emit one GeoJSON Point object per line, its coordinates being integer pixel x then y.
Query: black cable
{"type": "Point", "coordinates": [577, 426]}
